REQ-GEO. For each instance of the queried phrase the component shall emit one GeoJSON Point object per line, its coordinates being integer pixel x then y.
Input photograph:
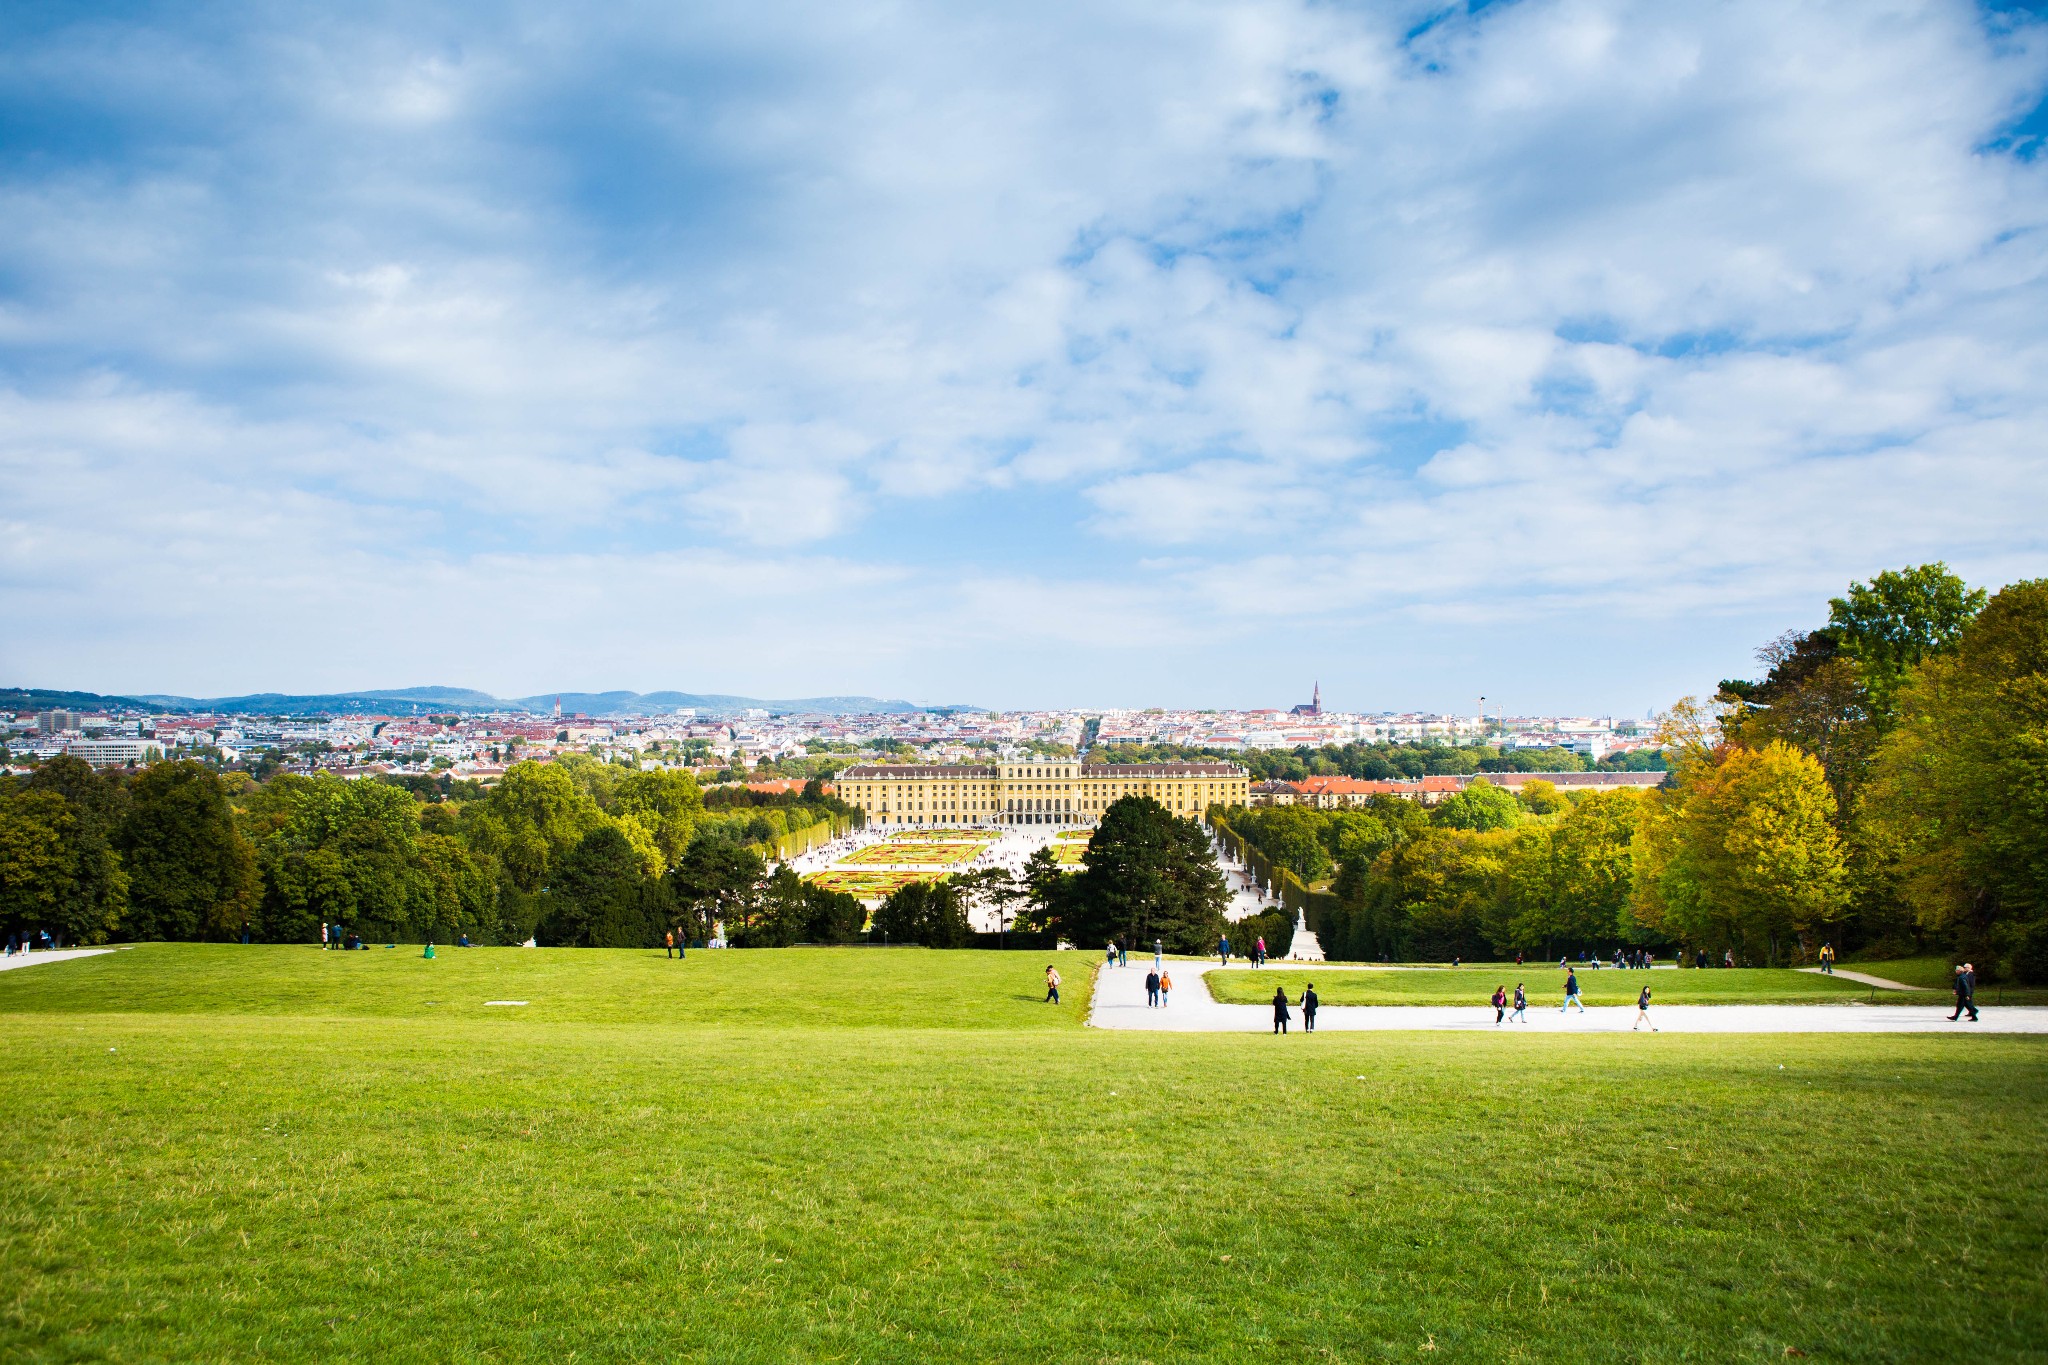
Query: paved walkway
{"type": "Point", "coordinates": [1120, 1004]}
{"type": "Point", "coordinates": [1881, 982]}
{"type": "Point", "coordinates": [8, 964]}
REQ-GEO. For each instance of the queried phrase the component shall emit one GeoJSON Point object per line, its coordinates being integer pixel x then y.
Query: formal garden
{"type": "Point", "coordinates": [890, 853]}
{"type": "Point", "coordinates": [868, 883]}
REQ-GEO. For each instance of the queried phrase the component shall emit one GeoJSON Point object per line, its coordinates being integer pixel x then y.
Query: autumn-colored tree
{"type": "Point", "coordinates": [1742, 852]}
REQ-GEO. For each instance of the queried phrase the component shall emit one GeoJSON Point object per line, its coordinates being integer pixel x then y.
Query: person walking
{"type": "Point", "coordinates": [1571, 992]}
{"type": "Point", "coordinates": [1223, 950]}
{"type": "Point", "coordinates": [1259, 952]}
{"type": "Point", "coordinates": [1151, 990]}
{"type": "Point", "coordinates": [1309, 1004]}
{"type": "Point", "coordinates": [1279, 1009]}
{"type": "Point", "coordinates": [1966, 993]}
{"type": "Point", "coordinates": [1052, 984]}
{"type": "Point", "coordinates": [1827, 959]}
{"type": "Point", "coordinates": [1123, 955]}
{"type": "Point", "coordinates": [1500, 1005]}
{"type": "Point", "coordinates": [1165, 988]}
{"type": "Point", "coordinates": [1642, 1012]}
{"type": "Point", "coordinates": [323, 936]}
{"type": "Point", "coordinates": [1521, 1010]}
{"type": "Point", "coordinates": [1109, 954]}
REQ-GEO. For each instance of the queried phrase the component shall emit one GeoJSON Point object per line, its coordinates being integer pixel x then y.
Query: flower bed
{"type": "Point", "coordinates": [934, 855]}
{"type": "Point", "coordinates": [869, 885]}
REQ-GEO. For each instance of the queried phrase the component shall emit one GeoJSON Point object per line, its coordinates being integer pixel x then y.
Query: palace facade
{"type": "Point", "coordinates": [1031, 791]}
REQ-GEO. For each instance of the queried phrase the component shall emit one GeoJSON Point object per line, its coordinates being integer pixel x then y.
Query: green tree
{"type": "Point", "coordinates": [344, 853]}
{"type": "Point", "coordinates": [531, 818]}
{"type": "Point", "coordinates": [1481, 806]}
{"type": "Point", "coordinates": [929, 913]}
{"type": "Point", "coordinates": [1150, 875]}
{"type": "Point", "coordinates": [600, 896]}
{"type": "Point", "coordinates": [1958, 809]}
{"type": "Point", "coordinates": [1890, 624]}
{"type": "Point", "coordinates": [70, 813]}
{"type": "Point", "coordinates": [191, 873]}
{"type": "Point", "coordinates": [716, 882]}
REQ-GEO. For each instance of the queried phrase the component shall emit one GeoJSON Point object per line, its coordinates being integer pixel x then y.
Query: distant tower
{"type": "Point", "coordinates": [558, 707]}
{"type": "Point", "coordinates": [1316, 703]}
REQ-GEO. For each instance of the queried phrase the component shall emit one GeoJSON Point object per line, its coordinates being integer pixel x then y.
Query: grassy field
{"type": "Point", "coordinates": [1545, 985]}
{"type": "Point", "coordinates": [266, 1154]}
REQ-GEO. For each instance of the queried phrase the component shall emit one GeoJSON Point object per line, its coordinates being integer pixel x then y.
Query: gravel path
{"type": "Point", "coordinates": [1120, 1004]}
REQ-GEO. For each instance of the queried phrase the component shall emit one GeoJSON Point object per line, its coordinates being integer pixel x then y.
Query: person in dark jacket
{"type": "Point", "coordinates": [1966, 993]}
{"type": "Point", "coordinates": [1308, 1008]}
{"type": "Point", "coordinates": [1500, 1004]}
{"type": "Point", "coordinates": [1151, 989]}
{"type": "Point", "coordinates": [1280, 1009]}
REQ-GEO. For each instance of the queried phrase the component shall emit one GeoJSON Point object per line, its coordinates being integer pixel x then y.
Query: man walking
{"type": "Point", "coordinates": [1827, 959]}
{"type": "Point", "coordinates": [1052, 984]}
{"type": "Point", "coordinates": [1279, 1009]}
{"type": "Point", "coordinates": [1223, 950]}
{"type": "Point", "coordinates": [1642, 1012]}
{"type": "Point", "coordinates": [1571, 992]}
{"type": "Point", "coordinates": [1151, 990]}
{"type": "Point", "coordinates": [1966, 993]}
{"type": "Point", "coordinates": [1308, 1008]}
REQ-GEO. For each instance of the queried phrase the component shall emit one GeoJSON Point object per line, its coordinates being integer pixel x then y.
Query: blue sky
{"type": "Point", "coordinates": [1090, 354]}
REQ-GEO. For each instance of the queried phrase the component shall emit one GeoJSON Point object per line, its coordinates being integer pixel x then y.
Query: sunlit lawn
{"type": "Point", "coordinates": [1545, 983]}
{"type": "Point", "coordinates": [238, 1154]}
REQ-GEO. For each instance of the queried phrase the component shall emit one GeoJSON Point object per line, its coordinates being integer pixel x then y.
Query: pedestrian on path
{"type": "Point", "coordinates": [1052, 984]}
{"type": "Point", "coordinates": [1571, 992]}
{"type": "Point", "coordinates": [1500, 1005]}
{"type": "Point", "coordinates": [1642, 1012]}
{"type": "Point", "coordinates": [1123, 955]}
{"type": "Point", "coordinates": [1151, 990]}
{"type": "Point", "coordinates": [1165, 988]}
{"type": "Point", "coordinates": [1966, 992]}
{"type": "Point", "coordinates": [1309, 1003]}
{"type": "Point", "coordinates": [1279, 1009]}
{"type": "Point", "coordinates": [1109, 954]}
{"type": "Point", "coordinates": [1827, 959]}
{"type": "Point", "coordinates": [1259, 952]}
{"type": "Point", "coordinates": [1223, 949]}
{"type": "Point", "coordinates": [1521, 1004]}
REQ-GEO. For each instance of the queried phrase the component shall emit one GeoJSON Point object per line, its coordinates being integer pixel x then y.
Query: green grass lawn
{"type": "Point", "coordinates": [1545, 984]}
{"type": "Point", "coordinates": [239, 1154]}
{"type": "Point", "coordinates": [785, 988]}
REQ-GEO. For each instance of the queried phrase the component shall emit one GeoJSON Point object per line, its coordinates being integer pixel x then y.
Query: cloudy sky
{"type": "Point", "coordinates": [1061, 354]}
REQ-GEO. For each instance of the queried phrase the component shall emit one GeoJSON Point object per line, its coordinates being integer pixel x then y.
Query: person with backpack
{"type": "Point", "coordinates": [1052, 984]}
{"type": "Point", "coordinates": [1642, 1012]}
{"type": "Point", "coordinates": [1500, 1005]}
{"type": "Point", "coordinates": [1521, 1010]}
{"type": "Point", "coordinates": [1571, 992]}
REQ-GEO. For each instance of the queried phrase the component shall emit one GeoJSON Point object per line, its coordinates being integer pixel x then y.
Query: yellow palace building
{"type": "Point", "coordinates": [1031, 791]}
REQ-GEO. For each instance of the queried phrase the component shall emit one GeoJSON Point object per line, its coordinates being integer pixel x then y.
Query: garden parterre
{"type": "Point", "coordinates": [938, 855]}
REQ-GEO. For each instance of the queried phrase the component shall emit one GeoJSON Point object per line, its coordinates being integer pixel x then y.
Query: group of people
{"type": "Point", "coordinates": [1503, 1013]}
{"type": "Point", "coordinates": [1158, 987]}
{"type": "Point", "coordinates": [21, 941]}
{"type": "Point", "coordinates": [1308, 1003]}
{"type": "Point", "coordinates": [334, 936]}
{"type": "Point", "coordinates": [1257, 955]}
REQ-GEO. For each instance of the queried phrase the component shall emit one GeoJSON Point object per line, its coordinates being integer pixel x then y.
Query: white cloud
{"type": "Point", "coordinates": [1572, 311]}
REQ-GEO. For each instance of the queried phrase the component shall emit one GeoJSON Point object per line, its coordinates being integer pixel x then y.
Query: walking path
{"type": "Point", "coordinates": [1882, 983]}
{"type": "Point", "coordinates": [1120, 1004]}
{"type": "Point", "coordinates": [8, 964]}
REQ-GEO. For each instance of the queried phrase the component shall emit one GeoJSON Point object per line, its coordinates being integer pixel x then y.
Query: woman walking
{"type": "Point", "coordinates": [1521, 1004]}
{"type": "Point", "coordinates": [1500, 1005]}
{"type": "Point", "coordinates": [1642, 1012]}
{"type": "Point", "coordinates": [1165, 988]}
{"type": "Point", "coordinates": [1279, 1009]}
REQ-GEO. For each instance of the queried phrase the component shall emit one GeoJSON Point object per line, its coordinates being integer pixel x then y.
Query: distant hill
{"type": "Point", "coordinates": [46, 699]}
{"type": "Point", "coordinates": [427, 700]}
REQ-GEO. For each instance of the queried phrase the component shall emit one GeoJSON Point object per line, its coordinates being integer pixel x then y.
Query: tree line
{"type": "Point", "coordinates": [574, 852]}
{"type": "Point", "coordinates": [1384, 761]}
{"type": "Point", "coordinates": [1879, 787]}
